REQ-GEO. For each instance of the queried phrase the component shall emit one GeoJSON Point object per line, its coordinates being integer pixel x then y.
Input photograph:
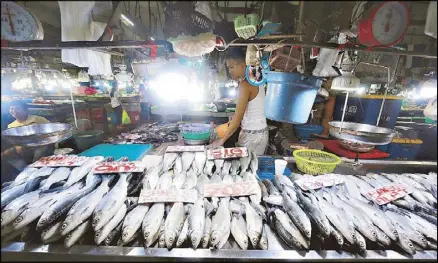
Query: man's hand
{"type": "Point", "coordinates": [217, 143]}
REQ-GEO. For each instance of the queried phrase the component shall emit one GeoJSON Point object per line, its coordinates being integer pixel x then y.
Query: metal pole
{"type": "Point", "coordinates": [384, 97]}
{"type": "Point", "coordinates": [299, 31]}
{"type": "Point", "coordinates": [73, 106]}
{"type": "Point", "coordinates": [343, 113]}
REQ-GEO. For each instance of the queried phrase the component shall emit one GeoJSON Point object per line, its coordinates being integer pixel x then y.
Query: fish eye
{"type": "Point", "coordinates": [194, 239]}
{"type": "Point", "coordinates": [374, 234]}
{"type": "Point", "coordinates": [64, 226]}
{"type": "Point", "coordinates": [410, 244]}
{"type": "Point", "coordinates": [19, 219]}
{"type": "Point", "coordinates": [146, 234]}
{"type": "Point", "coordinates": [98, 234]}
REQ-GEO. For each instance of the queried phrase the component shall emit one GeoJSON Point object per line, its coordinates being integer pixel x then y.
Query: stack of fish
{"type": "Point", "coordinates": [152, 133]}
{"type": "Point", "coordinates": [344, 217]}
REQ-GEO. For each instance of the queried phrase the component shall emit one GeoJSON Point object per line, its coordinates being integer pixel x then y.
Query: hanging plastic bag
{"type": "Point", "coordinates": [125, 118]}
{"type": "Point", "coordinates": [431, 109]}
{"type": "Point", "coordinates": [193, 46]}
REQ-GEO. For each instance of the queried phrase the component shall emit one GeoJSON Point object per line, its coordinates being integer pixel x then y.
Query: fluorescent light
{"type": "Point", "coordinates": [124, 18]}
{"type": "Point", "coordinates": [153, 39]}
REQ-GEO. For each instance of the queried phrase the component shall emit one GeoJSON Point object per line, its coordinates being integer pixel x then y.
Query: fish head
{"type": "Point", "coordinates": [339, 240]}
{"type": "Point", "coordinates": [215, 238]}
{"type": "Point", "coordinates": [169, 240]}
{"type": "Point", "coordinates": [195, 239]}
{"type": "Point", "coordinates": [67, 240]}
{"type": "Point", "coordinates": [96, 219]}
{"type": "Point", "coordinates": [126, 232]}
{"type": "Point", "coordinates": [98, 238]}
{"type": "Point", "coordinates": [386, 240]}
{"type": "Point", "coordinates": [8, 216]}
{"type": "Point", "coordinates": [406, 244]}
{"type": "Point", "coordinates": [205, 241]}
{"type": "Point", "coordinates": [254, 238]}
{"type": "Point", "coordinates": [66, 225]}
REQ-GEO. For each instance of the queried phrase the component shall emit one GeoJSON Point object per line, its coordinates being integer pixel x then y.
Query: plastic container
{"type": "Point", "coordinates": [280, 166]}
{"type": "Point", "coordinates": [246, 25]}
{"type": "Point", "coordinates": [316, 162]}
{"type": "Point", "coordinates": [402, 149]}
{"type": "Point", "coordinates": [196, 131]}
{"type": "Point", "coordinates": [285, 59]}
{"type": "Point", "coordinates": [87, 139]}
{"type": "Point", "coordinates": [290, 96]}
{"type": "Point", "coordinates": [304, 131]}
{"type": "Point", "coordinates": [365, 109]}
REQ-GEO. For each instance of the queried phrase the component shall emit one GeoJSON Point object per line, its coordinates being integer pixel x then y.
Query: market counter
{"type": "Point", "coordinates": [190, 114]}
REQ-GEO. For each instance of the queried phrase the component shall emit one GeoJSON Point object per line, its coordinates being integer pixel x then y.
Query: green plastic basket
{"type": "Point", "coordinates": [196, 131]}
{"type": "Point", "coordinates": [246, 25]}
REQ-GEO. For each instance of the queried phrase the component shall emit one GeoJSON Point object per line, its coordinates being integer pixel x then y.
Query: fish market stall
{"type": "Point", "coordinates": [129, 221]}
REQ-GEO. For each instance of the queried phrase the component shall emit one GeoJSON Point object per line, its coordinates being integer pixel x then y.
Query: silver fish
{"type": "Point", "coordinates": [226, 168]}
{"type": "Point", "coordinates": [263, 189]}
{"type": "Point", "coordinates": [288, 231]}
{"type": "Point", "coordinates": [52, 233]}
{"type": "Point", "coordinates": [169, 161]}
{"type": "Point", "coordinates": [402, 224]}
{"type": "Point", "coordinates": [133, 221]}
{"type": "Point", "coordinates": [314, 213]}
{"type": "Point", "coordinates": [272, 190]}
{"type": "Point", "coordinates": [382, 238]}
{"type": "Point", "coordinates": [218, 163]}
{"type": "Point", "coordinates": [84, 208]}
{"type": "Point", "coordinates": [220, 224]}
{"type": "Point", "coordinates": [115, 234]}
{"type": "Point", "coordinates": [360, 241]}
{"type": "Point", "coordinates": [183, 235]}
{"type": "Point", "coordinates": [80, 172]}
{"type": "Point", "coordinates": [13, 234]}
{"type": "Point", "coordinates": [77, 233]}
{"type": "Point", "coordinates": [111, 202]}
{"type": "Point", "coordinates": [405, 243]}
{"type": "Point", "coordinates": [174, 223]}
{"type": "Point", "coordinates": [273, 199]}
{"type": "Point", "coordinates": [208, 169]}
{"type": "Point", "coordinates": [165, 181]}
{"type": "Point", "coordinates": [206, 235]}
{"type": "Point", "coordinates": [14, 208]}
{"type": "Point", "coordinates": [161, 239]}
{"type": "Point", "coordinates": [151, 223]}
{"type": "Point", "coordinates": [239, 232]}
{"type": "Point", "coordinates": [263, 244]}
{"type": "Point", "coordinates": [254, 163]}
{"type": "Point", "coordinates": [254, 224]}
{"type": "Point", "coordinates": [9, 195]}
{"type": "Point", "coordinates": [196, 222]}
{"type": "Point", "coordinates": [22, 177]}
{"type": "Point", "coordinates": [202, 179]}
{"type": "Point", "coordinates": [199, 163]}
{"type": "Point", "coordinates": [58, 175]}
{"type": "Point", "coordinates": [103, 232]}
{"type": "Point", "coordinates": [191, 179]}
{"type": "Point", "coordinates": [235, 166]}
{"type": "Point", "coordinates": [178, 180]}
{"type": "Point", "coordinates": [244, 163]}
{"type": "Point", "coordinates": [178, 167]}
{"type": "Point", "coordinates": [337, 236]}
{"type": "Point", "coordinates": [187, 160]}
{"type": "Point", "coordinates": [297, 215]}
{"type": "Point", "coordinates": [151, 179]}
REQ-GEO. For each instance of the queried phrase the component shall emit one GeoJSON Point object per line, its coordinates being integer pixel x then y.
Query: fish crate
{"type": "Point", "coordinates": [285, 59]}
{"type": "Point", "coordinates": [267, 168]}
{"type": "Point", "coordinates": [402, 149]}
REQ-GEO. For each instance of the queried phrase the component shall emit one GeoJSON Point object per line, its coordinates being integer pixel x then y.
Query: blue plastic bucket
{"type": "Point", "coordinates": [304, 131]}
{"type": "Point", "coordinates": [290, 96]}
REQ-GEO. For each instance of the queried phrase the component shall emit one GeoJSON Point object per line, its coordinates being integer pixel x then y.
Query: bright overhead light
{"type": "Point", "coordinates": [125, 19]}
{"type": "Point", "coordinates": [153, 39]}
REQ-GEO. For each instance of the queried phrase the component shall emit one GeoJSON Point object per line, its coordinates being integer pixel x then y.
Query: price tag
{"type": "Point", "coordinates": [168, 195]}
{"type": "Point", "coordinates": [60, 160]}
{"type": "Point", "coordinates": [389, 193]}
{"type": "Point", "coordinates": [180, 148]}
{"type": "Point", "coordinates": [225, 190]}
{"type": "Point", "coordinates": [321, 181]}
{"type": "Point", "coordinates": [119, 167]}
{"type": "Point", "coordinates": [226, 153]}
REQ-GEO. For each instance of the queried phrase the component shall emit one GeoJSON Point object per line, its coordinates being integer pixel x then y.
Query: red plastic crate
{"type": "Point", "coordinates": [98, 114]}
{"type": "Point", "coordinates": [134, 116]}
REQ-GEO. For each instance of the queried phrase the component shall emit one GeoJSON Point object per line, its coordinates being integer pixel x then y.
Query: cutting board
{"type": "Point", "coordinates": [134, 152]}
{"type": "Point", "coordinates": [334, 147]}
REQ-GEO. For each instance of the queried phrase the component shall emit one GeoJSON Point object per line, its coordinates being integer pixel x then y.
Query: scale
{"type": "Point", "coordinates": [19, 24]}
{"type": "Point", "coordinates": [386, 25]}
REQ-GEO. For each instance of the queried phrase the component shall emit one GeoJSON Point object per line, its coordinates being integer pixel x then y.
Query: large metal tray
{"type": "Point", "coordinates": [361, 133]}
{"type": "Point", "coordinates": [38, 134]}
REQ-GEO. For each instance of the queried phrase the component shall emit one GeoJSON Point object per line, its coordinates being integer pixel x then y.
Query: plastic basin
{"type": "Point", "coordinates": [304, 131]}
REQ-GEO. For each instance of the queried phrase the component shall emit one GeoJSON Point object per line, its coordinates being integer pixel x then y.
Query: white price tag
{"type": "Point", "coordinates": [320, 181]}
{"type": "Point", "coordinates": [168, 195]}
{"type": "Point", "coordinates": [60, 160]}
{"type": "Point", "coordinates": [389, 193]}
{"type": "Point", "coordinates": [119, 167]}
{"type": "Point", "coordinates": [226, 153]}
{"type": "Point", "coordinates": [236, 189]}
{"type": "Point", "coordinates": [181, 148]}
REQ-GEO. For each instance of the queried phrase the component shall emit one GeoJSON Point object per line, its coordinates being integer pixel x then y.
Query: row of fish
{"type": "Point", "coordinates": [342, 217]}
{"type": "Point", "coordinates": [152, 133]}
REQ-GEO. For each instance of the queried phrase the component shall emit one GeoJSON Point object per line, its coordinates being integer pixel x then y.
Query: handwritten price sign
{"type": "Point", "coordinates": [321, 181]}
{"type": "Point", "coordinates": [178, 148]}
{"type": "Point", "coordinates": [167, 195]}
{"type": "Point", "coordinates": [119, 167]}
{"type": "Point", "coordinates": [60, 160]}
{"type": "Point", "coordinates": [236, 189]}
{"type": "Point", "coordinates": [389, 193]}
{"type": "Point", "coordinates": [225, 153]}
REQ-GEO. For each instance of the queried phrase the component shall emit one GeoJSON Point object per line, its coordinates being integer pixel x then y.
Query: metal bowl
{"type": "Point", "coordinates": [38, 134]}
{"type": "Point", "coordinates": [361, 133]}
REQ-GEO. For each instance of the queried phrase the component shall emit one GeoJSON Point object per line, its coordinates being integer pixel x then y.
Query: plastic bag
{"type": "Point", "coordinates": [125, 118]}
{"type": "Point", "coordinates": [431, 110]}
{"type": "Point", "coordinates": [193, 46]}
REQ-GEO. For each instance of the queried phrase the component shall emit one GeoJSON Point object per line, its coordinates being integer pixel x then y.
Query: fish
{"type": "Point", "coordinates": [360, 241]}
{"type": "Point", "coordinates": [103, 232]}
{"type": "Point", "coordinates": [263, 188]}
{"type": "Point", "coordinates": [81, 171]}
{"type": "Point", "coordinates": [151, 223]}
{"type": "Point", "coordinates": [9, 195]}
{"type": "Point", "coordinates": [273, 199]}
{"type": "Point", "coordinates": [30, 234]}
{"type": "Point", "coordinates": [133, 221]}
{"type": "Point", "coordinates": [174, 224]}
{"type": "Point", "coordinates": [58, 175]}
{"type": "Point", "coordinates": [239, 232]}
{"type": "Point", "coordinates": [15, 207]}
{"type": "Point", "coordinates": [12, 235]}
{"type": "Point", "coordinates": [152, 178]}
{"type": "Point", "coordinates": [169, 161]}
{"type": "Point", "coordinates": [297, 215]}
{"type": "Point", "coordinates": [76, 234]}
{"type": "Point", "coordinates": [206, 235]}
{"type": "Point", "coordinates": [220, 224]}
{"type": "Point", "coordinates": [263, 243]}
{"type": "Point", "coordinates": [337, 237]}
{"type": "Point", "coordinates": [196, 223]}
{"type": "Point", "coordinates": [178, 180]}
{"type": "Point", "coordinates": [191, 180]}
{"type": "Point", "coordinates": [178, 167]}
{"type": "Point", "coordinates": [254, 224]}
{"type": "Point", "coordinates": [83, 209]}
{"type": "Point", "coordinates": [272, 190]}
{"type": "Point", "coordinates": [184, 234]}
{"type": "Point", "coordinates": [22, 177]}
{"type": "Point", "coordinates": [165, 181]}
{"type": "Point", "coordinates": [288, 231]}
{"type": "Point", "coordinates": [115, 234]}
{"type": "Point", "coordinates": [235, 166]}
{"type": "Point", "coordinates": [382, 238]}
{"type": "Point", "coordinates": [187, 160]}
{"type": "Point", "coordinates": [111, 202]}
{"type": "Point", "coordinates": [218, 163]}
{"type": "Point", "coordinates": [226, 168]}
{"type": "Point", "coordinates": [402, 224]}
{"type": "Point", "coordinates": [161, 239]}
{"type": "Point", "coordinates": [208, 169]}
{"type": "Point", "coordinates": [314, 213]}
{"type": "Point", "coordinates": [122, 243]}
{"type": "Point", "coordinates": [202, 179]}
{"type": "Point", "coordinates": [200, 160]}
{"type": "Point", "coordinates": [61, 206]}
{"type": "Point", "coordinates": [244, 163]}
{"type": "Point", "coordinates": [52, 233]}
{"type": "Point", "coordinates": [254, 163]}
